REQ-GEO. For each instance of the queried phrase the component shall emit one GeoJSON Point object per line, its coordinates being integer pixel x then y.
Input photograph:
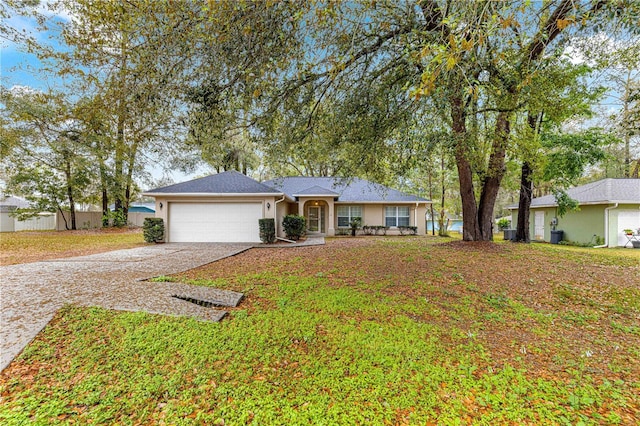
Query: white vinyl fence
{"type": "Point", "coordinates": [43, 222]}
{"type": "Point", "coordinates": [92, 220]}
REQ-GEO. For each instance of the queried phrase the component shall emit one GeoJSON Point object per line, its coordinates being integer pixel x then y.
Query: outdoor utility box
{"type": "Point", "coordinates": [556, 236]}
{"type": "Point", "coordinates": [509, 234]}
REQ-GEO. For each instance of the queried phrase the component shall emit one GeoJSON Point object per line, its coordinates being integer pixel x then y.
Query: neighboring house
{"type": "Point", "coordinates": [606, 208]}
{"type": "Point", "coordinates": [454, 222]}
{"type": "Point", "coordinates": [45, 221]}
{"type": "Point", "coordinates": [225, 207]}
{"type": "Point", "coordinates": [138, 207]}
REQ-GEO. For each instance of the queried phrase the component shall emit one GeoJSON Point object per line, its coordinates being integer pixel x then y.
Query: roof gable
{"type": "Point", "coordinates": [346, 189]}
{"type": "Point", "coordinates": [230, 182]}
{"type": "Point", "coordinates": [317, 190]}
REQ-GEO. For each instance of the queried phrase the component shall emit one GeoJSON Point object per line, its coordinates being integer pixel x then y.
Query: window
{"type": "Point", "coordinates": [396, 216]}
{"type": "Point", "coordinates": [347, 213]}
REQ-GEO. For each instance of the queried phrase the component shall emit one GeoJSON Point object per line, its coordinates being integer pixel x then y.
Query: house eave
{"type": "Point", "coordinates": [383, 202]}
{"type": "Point", "coordinates": [315, 195]}
{"type": "Point", "coordinates": [214, 194]}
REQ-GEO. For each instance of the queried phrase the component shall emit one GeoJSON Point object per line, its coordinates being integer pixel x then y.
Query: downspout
{"type": "Point", "coordinates": [606, 226]}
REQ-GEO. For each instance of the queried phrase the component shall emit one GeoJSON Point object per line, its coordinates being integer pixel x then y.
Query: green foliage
{"type": "Point", "coordinates": [267, 230]}
{"type": "Point", "coordinates": [404, 230]}
{"type": "Point", "coordinates": [504, 223]}
{"type": "Point", "coordinates": [375, 230]}
{"type": "Point", "coordinates": [570, 154]}
{"type": "Point", "coordinates": [294, 226]}
{"type": "Point", "coordinates": [355, 224]}
{"type": "Point", "coordinates": [565, 203]}
{"type": "Point", "coordinates": [153, 229]}
{"type": "Point", "coordinates": [117, 219]}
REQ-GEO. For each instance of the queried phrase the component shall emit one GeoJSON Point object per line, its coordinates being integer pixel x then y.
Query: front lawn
{"type": "Point", "coordinates": [360, 331]}
{"type": "Point", "coordinates": [26, 246]}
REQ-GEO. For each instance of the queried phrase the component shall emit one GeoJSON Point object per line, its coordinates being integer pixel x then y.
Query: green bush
{"type": "Point", "coordinates": [267, 230]}
{"type": "Point", "coordinates": [504, 223]}
{"type": "Point", "coordinates": [153, 230]}
{"type": "Point", "coordinates": [404, 230]}
{"type": "Point", "coordinates": [117, 219]}
{"type": "Point", "coordinates": [294, 226]}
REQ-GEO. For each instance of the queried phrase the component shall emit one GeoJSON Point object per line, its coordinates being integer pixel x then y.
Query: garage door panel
{"type": "Point", "coordinates": [214, 222]}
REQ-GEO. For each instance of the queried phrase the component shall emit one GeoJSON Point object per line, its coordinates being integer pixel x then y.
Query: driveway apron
{"type": "Point", "coordinates": [31, 293]}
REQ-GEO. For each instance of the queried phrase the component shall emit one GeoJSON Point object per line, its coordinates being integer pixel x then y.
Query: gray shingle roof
{"type": "Point", "coordinates": [230, 182]}
{"type": "Point", "coordinates": [15, 202]}
{"type": "Point", "coordinates": [317, 190]}
{"type": "Point", "coordinates": [347, 189]}
{"type": "Point", "coordinates": [605, 191]}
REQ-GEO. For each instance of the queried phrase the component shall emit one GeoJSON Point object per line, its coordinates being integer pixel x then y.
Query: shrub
{"type": "Point", "coordinates": [404, 230]}
{"type": "Point", "coordinates": [368, 230]}
{"type": "Point", "coordinates": [267, 230]}
{"type": "Point", "coordinates": [294, 226]}
{"type": "Point", "coordinates": [153, 230]}
{"type": "Point", "coordinates": [381, 230]}
{"type": "Point", "coordinates": [116, 219]}
{"type": "Point", "coordinates": [343, 231]}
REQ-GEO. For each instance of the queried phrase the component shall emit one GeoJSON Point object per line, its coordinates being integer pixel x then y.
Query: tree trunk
{"type": "Point", "coordinates": [495, 173]}
{"type": "Point", "coordinates": [470, 227]}
{"type": "Point", "coordinates": [72, 204]}
{"type": "Point", "coordinates": [433, 215]}
{"type": "Point", "coordinates": [524, 203]}
{"type": "Point", "coordinates": [119, 192]}
{"type": "Point", "coordinates": [442, 231]}
{"type": "Point", "coordinates": [526, 188]}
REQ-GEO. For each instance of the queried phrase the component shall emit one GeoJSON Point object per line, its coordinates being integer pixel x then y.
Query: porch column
{"type": "Point", "coordinates": [301, 202]}
{"type": "Point", "coordinates": [331, 229]}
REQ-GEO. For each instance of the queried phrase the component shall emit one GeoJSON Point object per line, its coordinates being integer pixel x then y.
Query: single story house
{"type": "Point", "coordinates": [606, 207]}
{"type": "Point", "coordinates": [454, 222]}
{"type": "Point", "coordinates": [138, 208]}
{"type": "Point", "coordinates": [225, 207]}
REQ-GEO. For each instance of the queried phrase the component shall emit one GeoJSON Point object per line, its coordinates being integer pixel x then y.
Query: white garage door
{"type": "Point", "coordinates": [627, 219]}
{"type": "Point", "coordinates": [214, 222]}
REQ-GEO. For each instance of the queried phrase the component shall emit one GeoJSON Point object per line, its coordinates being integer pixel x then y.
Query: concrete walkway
{"type": "Point", "coordinates": [31, 293]}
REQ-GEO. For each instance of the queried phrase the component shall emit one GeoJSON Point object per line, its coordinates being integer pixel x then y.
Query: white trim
{"type": "Point", "coordinates": [386, 202]}
{"type": "Point", "coordinates": [316, 195]}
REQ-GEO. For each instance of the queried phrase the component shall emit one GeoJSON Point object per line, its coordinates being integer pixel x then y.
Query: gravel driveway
{"type": "Point", "coordinates": [31, 293]}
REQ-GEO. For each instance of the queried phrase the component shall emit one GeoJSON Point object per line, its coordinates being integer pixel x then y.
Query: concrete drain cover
{"type": "Point", "coordinates": [202, 302]}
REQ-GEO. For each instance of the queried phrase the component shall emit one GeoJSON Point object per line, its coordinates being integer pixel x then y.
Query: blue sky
{"type": "Point", "coordinates": [21, 68]}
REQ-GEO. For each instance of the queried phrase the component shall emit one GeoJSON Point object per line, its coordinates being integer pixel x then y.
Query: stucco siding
{"type": "Point", "coordinates": [581, 226]}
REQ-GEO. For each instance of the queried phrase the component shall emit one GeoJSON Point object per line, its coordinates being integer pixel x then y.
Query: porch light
{"type": "Point", "coordinates": [268, 205]}
{"type": "Point", "coordinates": [161, 205]}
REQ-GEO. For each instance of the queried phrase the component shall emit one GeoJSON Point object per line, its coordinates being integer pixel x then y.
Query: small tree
{"type": "Point", "coordinates": [294, 226]}
{"type": "Point", "coordinates": [355, 224]}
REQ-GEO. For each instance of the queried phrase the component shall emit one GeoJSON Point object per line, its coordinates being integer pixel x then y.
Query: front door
{"type": "Point", "coordinates": [539, 226]}
{"type": "Point", "coordinates": [314, 219]}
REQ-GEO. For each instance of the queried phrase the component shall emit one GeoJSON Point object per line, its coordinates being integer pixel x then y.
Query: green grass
{"type": "Point", "coordinates": [312, 349]}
